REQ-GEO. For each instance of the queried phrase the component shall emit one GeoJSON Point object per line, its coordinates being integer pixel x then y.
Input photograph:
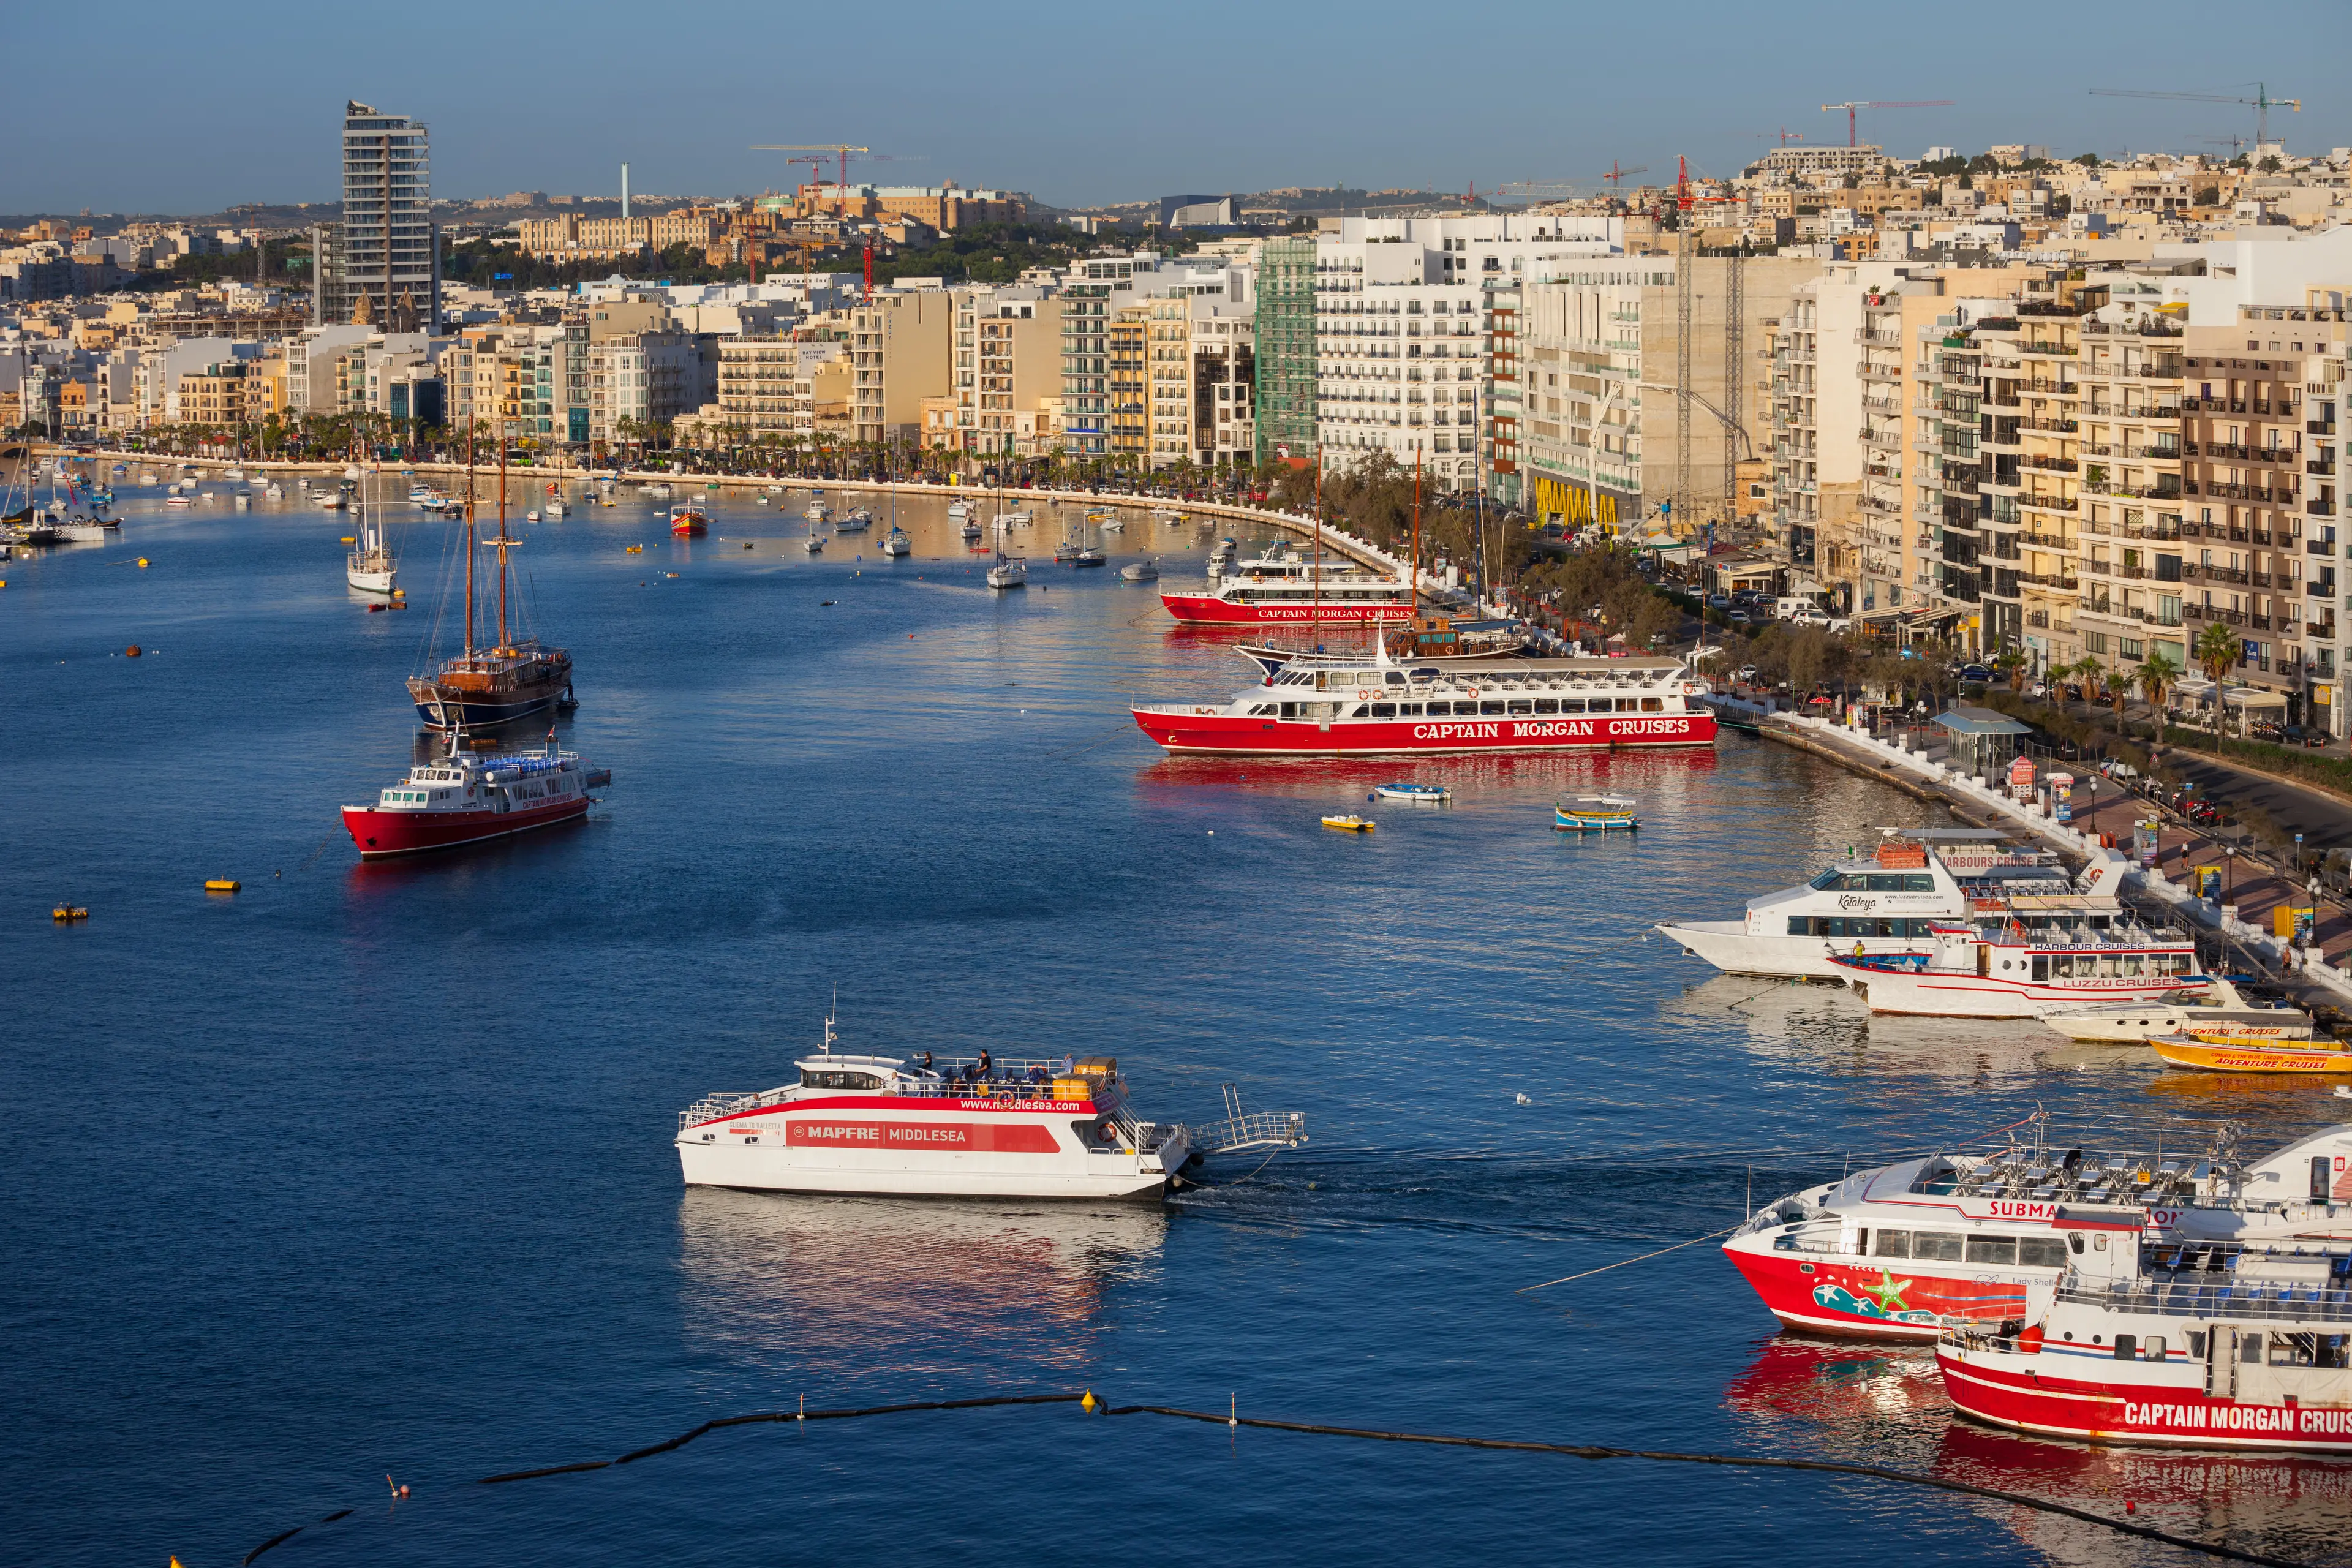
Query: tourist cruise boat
{"type": "Point", "coordinates": [1365, 703]}
{"type": "Point", "coordinates": [1888, 905]}
{"type": "Point", "coordinates": [1907, 1250]}
{"type": "Point", "coordinates": [971, 1127]}
{"type": "Point", "coordinates": [1965, 973]}
{"type": "Point", "coordinates": [2210, 1346]}
{"type": "Point", "coordinates": [2217, 1012]}
{"type": "Point", "coordinates": [1285, 587]}
{"type": "Point", "coordinates": [466, 798]}
{"type": "Point", "coordinates": [687, 519]}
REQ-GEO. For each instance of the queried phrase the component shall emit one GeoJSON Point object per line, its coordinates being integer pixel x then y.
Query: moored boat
{"type": "Point", "coordinates": [896, 543]}
{"type": "Point", "coordinates": [1595, 813]}
{"type": "Point", "coordinates": [1365, 704]}
{"type": "Point", "coordinates": [2217, 1012]}
{"type": "Point", "coordinates": [1285, 587]}
{"type": "Point", "coordinates": [857, 520]}
{"type": "Point", "coordinates": [2210, 1347]}
{"type": "Point", "coordinates": [1904, 1251]}
{"type": "Point", "coordinates": [1413, 793]}
{"type": "Point", "coordinates": [1961, 971]}
{"type": "Point", "coordinates": [370, 567]}
{"type": "Point", "coordinates": [513, 677]}
{"type": "Point", "coordinates": [1350, 823]}
{"type": "Point", "coordinates": [1140, 571]}
{"type": "Point", "coordinates": [2226, 1053]}
{"type": "Point", "coordinates": [689, 519]}
{"type": "Point", "coordinates": [464, 797]}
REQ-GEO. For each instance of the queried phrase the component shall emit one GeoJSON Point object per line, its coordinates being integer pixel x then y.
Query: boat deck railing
{"type": "Point", "coordinates": [2262, 1299]}
{"type": "Point", "coordinates": [1249, 1131]}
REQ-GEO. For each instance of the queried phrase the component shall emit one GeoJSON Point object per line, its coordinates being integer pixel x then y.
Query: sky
{"type": "Point", "coordinates": [1086, 103]}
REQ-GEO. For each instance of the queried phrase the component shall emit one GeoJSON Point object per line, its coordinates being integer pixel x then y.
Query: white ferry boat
{"type": "Point", "coordinates": [1286, 586]}
{"type": "Point", "coordinates": [2208, 1347]}
{"type": "Point", "coordinates": [1919, 879]}
{"type": "Point", "coordinates": [1969, 973]}
{"type": "Point", "coordinates": [1362, 703]}
{"type": "Point", "coordinates": [972, 1127]}
{"type": "Point", "coordinates": [2217, 1013]}
{"type": "Point", "coordinates": [1907, 1250]}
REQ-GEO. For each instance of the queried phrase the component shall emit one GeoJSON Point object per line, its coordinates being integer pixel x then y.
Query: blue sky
{"type": "Point", "coordinates": [1084, 103]}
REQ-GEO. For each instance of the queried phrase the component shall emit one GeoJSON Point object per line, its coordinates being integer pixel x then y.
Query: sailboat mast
{"type": "Point", "coordinates": [1316, 615]}
{"type": "Point", "coordinates": [504, 640]}
{"type": "Point", "coordinates": [469, 539]}
{"type": "Point", "coordinates": [1412, 576]}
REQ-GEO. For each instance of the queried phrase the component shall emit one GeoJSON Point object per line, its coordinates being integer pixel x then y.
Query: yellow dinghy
{"type": "Point", "coordinates": [2219, 1055]}
{"type": "Point", "coordinates": [1349, 823]}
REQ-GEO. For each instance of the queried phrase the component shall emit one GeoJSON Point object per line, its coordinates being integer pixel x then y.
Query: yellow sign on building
{"type": "Point", "coordinates": [1573, 503]}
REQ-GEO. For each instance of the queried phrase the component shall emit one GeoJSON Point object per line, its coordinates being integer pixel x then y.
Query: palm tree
{"type": "Point", "coordinates": [2156, 674]}
{"type": "Point", "coordinates": [2216, 651]}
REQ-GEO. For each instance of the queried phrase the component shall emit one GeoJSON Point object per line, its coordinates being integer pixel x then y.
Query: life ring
{"type": "Point", "coordinates": [1362, 695]}
{"type": "Point", "coordinates": [1471, 692]}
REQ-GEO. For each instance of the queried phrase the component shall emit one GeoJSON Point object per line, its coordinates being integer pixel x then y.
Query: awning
{"type": "Point", "coordinates": [2252, 697]}
{"type": "Point", "coordinates": [2195, 687]}
{"type": "Point", "coordinates": [1975, 721]}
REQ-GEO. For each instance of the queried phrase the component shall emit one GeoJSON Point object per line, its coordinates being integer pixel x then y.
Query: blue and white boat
{"type": "Point", "coordinates": [1414, 793]}
{"type": "Point", "coordinates": [1595, 813]}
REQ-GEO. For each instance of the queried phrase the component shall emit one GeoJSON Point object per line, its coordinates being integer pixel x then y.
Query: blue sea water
{"type": "Point", "coordinates": [367, 1170]}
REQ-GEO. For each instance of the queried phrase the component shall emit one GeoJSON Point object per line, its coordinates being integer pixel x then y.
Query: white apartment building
{"type": "Point", "coordinates": [1097, 291]}
{"type": "Point", "coordinates": [314, 365]}
{"type": "Point", "coordinates": [640, 379]}
{"type": "Point", "coordinates": [1400, 330]}
{"type": "Point", "coordinates": [1008, 364]}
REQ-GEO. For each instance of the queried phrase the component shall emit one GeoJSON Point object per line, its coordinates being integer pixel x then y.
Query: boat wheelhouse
{"type": "Point", "coordinates": [1287, 588]}
{"type": "Point", "coordinates": [1905, 1250]}
{"type": "Point", "coordinates": [1358, 704]}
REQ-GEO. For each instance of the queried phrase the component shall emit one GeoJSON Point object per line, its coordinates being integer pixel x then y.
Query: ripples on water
{"type": "Point", "coordinates": [368, 1170]}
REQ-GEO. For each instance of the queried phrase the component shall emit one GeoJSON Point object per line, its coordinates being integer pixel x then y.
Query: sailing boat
{"type": "Point", "coordinates": [1010, 571]}
{"type": "Point", "coordinates": [371, 567]}
{"type": "Point", "coordinates": [512, 679]}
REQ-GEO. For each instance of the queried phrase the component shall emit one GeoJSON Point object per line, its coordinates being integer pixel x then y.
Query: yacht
{"type": "Point", "coordinates": [1964, 972]}
{"type": "Point", "coordinates": [1917, 879]}
{"type": "Point", "coordinates": [2216, 1012]}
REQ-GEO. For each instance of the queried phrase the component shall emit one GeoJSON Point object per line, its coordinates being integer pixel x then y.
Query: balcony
{"type": "Point", "coordinates": [2220, 574]}
{"type": "Point", "coordinates": [2319, 426]}
{"type": "Point", "coordinates": [2049, 503]}
{"type": "Point", "coordinates": [1869, 372]}
{"type": "Point", "coordinates": [2320, 508]}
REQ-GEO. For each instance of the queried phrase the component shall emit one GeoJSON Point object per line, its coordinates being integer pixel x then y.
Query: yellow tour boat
{"type": "Point", "coordinates": [1349, 823]}
{"type": "Point", "coordinates": [2218, 1054]}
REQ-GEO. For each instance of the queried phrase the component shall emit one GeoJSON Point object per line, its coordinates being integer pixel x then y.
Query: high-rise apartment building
{"type": "Point", "coordinates": [390, 250]}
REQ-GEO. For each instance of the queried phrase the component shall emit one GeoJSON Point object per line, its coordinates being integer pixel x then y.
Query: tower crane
{"type": "Point", "coordinates": [841, 150]}
{"type": "Point", "coordinates": [2262, 100]}
{"type": "Point", "coordinates": [1850, 108]}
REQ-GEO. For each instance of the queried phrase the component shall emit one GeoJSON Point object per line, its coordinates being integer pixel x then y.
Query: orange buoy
{"type": "Point", "coordinates": [133, 651]}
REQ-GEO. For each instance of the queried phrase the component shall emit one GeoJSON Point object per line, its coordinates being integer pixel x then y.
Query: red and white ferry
{"type": "Point", "coordinates": [462, 799]}
{"type": "Point", "coordinates": [1362, 703]}
{"type": "Point", "coordinates": [2192, 1346]}
{"type": "Point", "coordinates": [1961, 971]}
{"type": "Point", "coordinates": [1905, 1251]}
{"type": "Point", "coordinates": [1287, 588]}
{"type": "Point", "coordinates": [973, 1128]}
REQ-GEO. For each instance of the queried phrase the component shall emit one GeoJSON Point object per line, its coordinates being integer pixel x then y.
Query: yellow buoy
{"type": "Point", "coordinates": [222, 885]}
{"type": "Point", "coordinates": [1089, 1402]}
{"type": "Point", "coordinates": [142, 561]}
{"type": "Point", "coordinates": [69, 912]}
{"type": "Point", "coordinates": [347, 539]}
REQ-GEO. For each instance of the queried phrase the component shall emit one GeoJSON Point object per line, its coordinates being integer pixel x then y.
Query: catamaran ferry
{"type": "Point", "coordinates": [1889, 905]}
{"type": "Point", "coordinates": [1907, 1250]}
{"type": "Point", "coordinates": [1358, 704]}
{"type": "Point", "coordinates": [974, 1128]}
{"type": "Point", "coordinates": [1287, 588]}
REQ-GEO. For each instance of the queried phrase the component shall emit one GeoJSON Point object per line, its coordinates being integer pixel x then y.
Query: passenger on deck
{"type": "Point", "coordinates": [985, 1069]}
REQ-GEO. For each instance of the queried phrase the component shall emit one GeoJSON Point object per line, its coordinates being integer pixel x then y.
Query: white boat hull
{"type": "Point", "coordinates": [1729, 947]}
{"type": "Point", "coordinates": [776, 1168]}
{"type": "Point", "coordinates": [1939, 994]}
{"type": "Point", "coordinates": [369, 581]}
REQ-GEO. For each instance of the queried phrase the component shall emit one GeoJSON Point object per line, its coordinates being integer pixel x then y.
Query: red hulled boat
{"type": "Point", "coordinates": [461, 798]}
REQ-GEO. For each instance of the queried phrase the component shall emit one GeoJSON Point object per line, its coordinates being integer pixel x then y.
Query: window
{"type": "Point", "coordinates": [2041, 1252]}
{"type": "Point", "coordinates": [1942, 1245]}
{"type": "Point", "coordinates": [1489, 706]}
{"type": "Point", "coordinates": [812, 1078]}
{"type": "Point", "coordinates": [1546, 705]}
{"type": "Point", "coordinates": [1520, 705]}
{"type": "Point", "coordinates": [1627, 704]}
{"type": "Point", "coordinates": [2249, 1347]}
{"type": "Point", "coordinates": [2127, 1347]}
{"type": "Point", "coordinates": [1891, 1244]}
{"type": "Point", "coordinates": [2001, 1250]}
{"type": "Point", "coordinates": [1653, 704]}
{"type": "Point", "coordinates": [1384, 709]}
{"type": "Point", "coordinates": [1572, 704]}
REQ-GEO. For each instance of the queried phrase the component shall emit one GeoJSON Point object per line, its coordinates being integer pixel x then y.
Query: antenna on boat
{"type": "Point", "coordinates": [831, 1008]}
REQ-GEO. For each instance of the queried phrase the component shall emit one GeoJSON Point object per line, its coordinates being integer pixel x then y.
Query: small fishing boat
{"type": "Point", "coordinates": [1011, 571]}
{"type": "Point", "coordinates": [1417, 793]}
{"type": "Point", "coordinates": [2218, 1053]}
{"type": "Point", "coordinates": [857, 520]}
{"type": "Point", "coordinates": [530, 517]}
{"type": "Point", "coordinates": [959, 507]}
{"type": "Point", "coordinates": [1350, 823]}
{"type": "Point", "coordinates": [688, 519]}
{"type": "Point", "coordinates": [813, 544]}
{"type": "Point", "coordinates": [1140, 572]}
{"type": "Point", "coordinates": [1015, 519]}
{"type": "Point", "coordinates": [972, 529]}
{"type": "Point", "coordinates": [1089, 555]}
{"type": "Point", "coordinates": [1594, 813]}
{"type": "Point", "coordinates": [896, 543]}
{"type": "Point", "coordinates": [1112, 524]}
{"type": "Point", "coordinates": [818, 512]}
{"type": "Point", "coordinates": [422, 495]}
{"type": "Point", "coordinates": [556, 508]}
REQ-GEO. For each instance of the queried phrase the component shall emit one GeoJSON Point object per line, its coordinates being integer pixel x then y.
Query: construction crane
{"type": "Point", "coordinates": [2262, 100]}
{"type": "Point", "coordinates": [1851, 136]}
{"type": "Point", "coordinates": [1569, 190]}
{"type": "Point", "coordinates": [1783, 135]}
{"type": "Point", "coordinates": [841, 150]}
{"type": "Point", "coordinates": [1616, 177]}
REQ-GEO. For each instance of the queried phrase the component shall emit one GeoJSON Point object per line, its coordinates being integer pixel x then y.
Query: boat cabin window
{"type": "Point", "coordinates": [1394, 678]}
{"type": "Point", "coordinates": [1572, 704]}
{"type": "Point", "coordinates": [1290, 709]}
{"type": "Point", "coordinates": [1861, 925]}
{"type": "Point", "coordinates": [1890, 1243]}
{"type": "Point", "coordinates": [1653, 704]}
{"type": "Point", "coordinates": [1362, 711]}
{"type": "Point", "coordinates": [1384, 709]}
{"type": "Point", "coordinates": [1520, 705]}
{"type": "Point", "coordinates": [1942, 1245]}
{"type": "Point", "coordinates": [1993, 1249]}
{"type": "Point", "coordinates": [2041, 1252]}
{"type": "Point", "coordinates": [1490, 707]}
{"type": "Point", "coordinates": [815, 1078]}
{"type": "Point", "coordinates": [1546, 705]}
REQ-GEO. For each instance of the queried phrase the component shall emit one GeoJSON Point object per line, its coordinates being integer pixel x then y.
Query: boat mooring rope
{"type": "Point", "coordinates": [1234, 1419]}
{"type": "Point", "coordinates": [1620, 1263]}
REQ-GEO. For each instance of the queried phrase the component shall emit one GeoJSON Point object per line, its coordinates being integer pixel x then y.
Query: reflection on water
{"type": "Point", "coordinates": [1827, 1026]}
{"type": "Point", "coordinates": [1669, 773]}
{"type": "Point", "coordinates": [2278, 1504]}
{"type": "Point", "coordinates": [794, 1281]}
{"type": "Point", "coordinates": [1848, 1387]}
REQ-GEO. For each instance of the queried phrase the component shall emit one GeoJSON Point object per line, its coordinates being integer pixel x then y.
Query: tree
{"type": "Point", "coordinates": [2216, 651]}
{"type": "Point", "coordinates": [2157, 673]}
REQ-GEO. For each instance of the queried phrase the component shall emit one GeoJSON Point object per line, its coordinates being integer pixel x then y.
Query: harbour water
{"type": "Point", "coordinates": [368, 1170]}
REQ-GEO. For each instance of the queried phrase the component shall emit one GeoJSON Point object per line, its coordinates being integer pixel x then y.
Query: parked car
{"type": "Point", "coordinates": [1747, 674]}
{"type": "Point", "coordinates": [1975, 675]}
{"type": "Point", "coordinates": [1741, 618]}
{"type": "Point", "coordinates": [1718, 601]}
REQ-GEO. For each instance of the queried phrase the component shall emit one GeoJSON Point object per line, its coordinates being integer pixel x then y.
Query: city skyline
{"type": "Point", "coordinates": [1267, 101]}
